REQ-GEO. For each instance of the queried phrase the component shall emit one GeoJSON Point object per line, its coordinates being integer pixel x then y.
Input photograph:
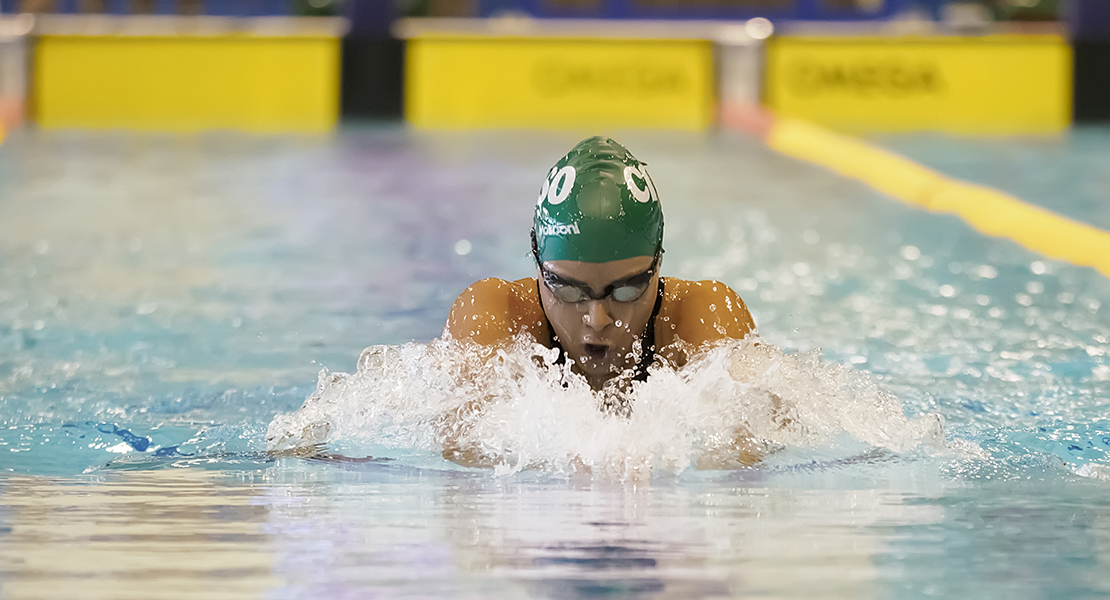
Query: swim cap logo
{"type": "Point", "coordinates": [557, 186]}
{"type": "Point", "coordinates": [642, 193]}
{"type": "Point", "coordinates": [560, 229]}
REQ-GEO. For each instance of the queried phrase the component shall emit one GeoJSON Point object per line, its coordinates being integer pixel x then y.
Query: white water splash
{"type": "Point", "coordinates": [738, 398]}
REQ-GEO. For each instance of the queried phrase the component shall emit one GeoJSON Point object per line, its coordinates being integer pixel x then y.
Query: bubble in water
{"type": "Point", "coordinates": [985, 272]}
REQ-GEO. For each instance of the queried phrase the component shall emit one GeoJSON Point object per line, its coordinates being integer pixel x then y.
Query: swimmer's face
{"type": "Point", "coordinates": [599, 335]}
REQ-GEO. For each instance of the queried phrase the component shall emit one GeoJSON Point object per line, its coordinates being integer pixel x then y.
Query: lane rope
{"type": "Point", "coordinates": [985, 209]}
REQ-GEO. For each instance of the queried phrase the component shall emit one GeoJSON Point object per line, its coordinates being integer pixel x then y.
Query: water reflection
{"type": "Point", "coordinates": [601, 572]}
{"type": "Point", "coordinates": [474, 535]}
{"type": "Point", "coordinates": [1023, 539]}
{"type": "Point", "coordinates": [155, 533]}
{"type": "Point", "coordinates": [303, 529]}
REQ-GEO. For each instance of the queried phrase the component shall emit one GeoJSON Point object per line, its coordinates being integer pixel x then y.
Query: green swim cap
{"type": "Point", "coordinates": [597, 204]}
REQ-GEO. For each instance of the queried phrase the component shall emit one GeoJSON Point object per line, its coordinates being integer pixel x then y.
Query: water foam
{"type": "Point", "coordinates": [736, 401]}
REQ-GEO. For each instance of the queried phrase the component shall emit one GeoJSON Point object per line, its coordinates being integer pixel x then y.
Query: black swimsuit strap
{"type": "Point", "coordinates": [647, 341]}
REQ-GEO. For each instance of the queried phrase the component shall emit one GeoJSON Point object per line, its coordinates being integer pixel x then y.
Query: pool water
{"type": "Point", "coordinates": [167, 304]}
{"type": "Point", "coordinates": [1067, 175]}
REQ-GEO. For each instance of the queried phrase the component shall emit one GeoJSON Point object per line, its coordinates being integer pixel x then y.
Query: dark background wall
{"type": "Point", "coordinates": [1090, 28]}
{"type": "Point", "coordinates": [372, 77]}
{"type": "Point", "coordinates": [373, 61]}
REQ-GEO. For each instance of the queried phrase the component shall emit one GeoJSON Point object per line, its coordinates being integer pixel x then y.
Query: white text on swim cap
{"type": "Point", "coordinates": [560, 229]}
{"type": "Point", "coordinates": [557, 186]}
{"type": "Point", "coordinates": [646, 193]}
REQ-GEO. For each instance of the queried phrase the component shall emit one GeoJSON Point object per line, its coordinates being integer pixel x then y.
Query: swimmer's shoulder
{"type": "Point", "coordinates": [700, 312]}
{"type": "Point", "coordinates": [492, 311]}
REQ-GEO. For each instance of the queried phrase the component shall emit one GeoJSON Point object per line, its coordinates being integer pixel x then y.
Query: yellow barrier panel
{"type": "Point", "coordinates": [187, 83]}
{"type": "Point", "coordinates": [987, 84]}
{"type": "Point", "coordinates": [549, 83]}
{"type": "Point", "coordinates": [987, 210]}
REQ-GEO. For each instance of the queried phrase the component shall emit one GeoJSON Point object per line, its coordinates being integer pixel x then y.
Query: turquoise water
{"type": "Point", "coordinates": [1066, 174]}
{"type": "Point", "coordinates": [163, 298]}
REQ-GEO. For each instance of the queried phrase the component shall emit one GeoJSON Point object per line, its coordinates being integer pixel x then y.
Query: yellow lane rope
{"type": "Point", "coordinates": [985, 209]}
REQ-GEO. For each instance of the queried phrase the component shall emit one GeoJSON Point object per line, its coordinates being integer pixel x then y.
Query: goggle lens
{"type": "Point", "coordinates": [567, 294]}
{"type": "Point", "coordinates": [628, 293]}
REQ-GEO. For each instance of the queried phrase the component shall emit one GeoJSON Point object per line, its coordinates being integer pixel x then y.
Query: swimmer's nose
{"type": "Point", "coordinates": [597, 315]}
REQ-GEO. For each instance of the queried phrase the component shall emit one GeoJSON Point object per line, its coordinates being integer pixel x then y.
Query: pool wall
{"type": "Point", "coordinates": [1017, 83]}
{"type": "Point", "coordinates": [468, 73]}
{"type": "Point", "coordinates": [181, 73]}
{"type": "Point", "coordinates": [169, 73]}
{"type": "Point", "coordinates": [515, 82]}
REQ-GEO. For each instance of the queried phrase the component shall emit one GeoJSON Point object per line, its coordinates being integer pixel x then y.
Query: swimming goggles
{"type": "Point", "coordinates": [628, 289]}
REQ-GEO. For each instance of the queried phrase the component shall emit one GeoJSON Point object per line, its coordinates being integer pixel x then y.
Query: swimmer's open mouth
{"type": "Point", "coordinates": [596, 352]}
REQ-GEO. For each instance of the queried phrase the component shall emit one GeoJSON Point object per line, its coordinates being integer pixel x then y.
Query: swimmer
{"type": "Point", "coordinates": [598, 297]}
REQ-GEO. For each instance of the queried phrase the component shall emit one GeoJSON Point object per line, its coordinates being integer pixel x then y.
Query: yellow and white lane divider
{"type": "Point", "coordinates": [987, 210]}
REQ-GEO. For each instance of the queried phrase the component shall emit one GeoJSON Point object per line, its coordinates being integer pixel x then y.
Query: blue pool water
{"type": "Point", "coordinates": [164, 298]}
{"type": "Point", "coordinates": [1065, 174]}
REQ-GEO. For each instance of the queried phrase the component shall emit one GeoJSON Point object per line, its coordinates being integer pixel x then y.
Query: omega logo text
{"type": "Point", "coordinates": [629, 78]}
{"type": "Point", "coordinates": [885, 77]}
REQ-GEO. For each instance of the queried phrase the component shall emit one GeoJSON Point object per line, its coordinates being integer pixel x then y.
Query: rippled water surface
{"type": "Point", "coordinates": [167, 302]}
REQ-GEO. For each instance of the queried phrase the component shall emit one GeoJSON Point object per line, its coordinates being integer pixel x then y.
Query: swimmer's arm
{"type": "Point", "coordinates": [710, 311]}
{"type": "Point", "coordinates": [452, 428]}
{"type": "Point", "coordinates": [483, 313]}
{"type": "Point", "coordinates": [490, 314]}
{"type": "Point", "coordinates": [480, 315]}
{"type": "Point", "coordinates": [743, 451]}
